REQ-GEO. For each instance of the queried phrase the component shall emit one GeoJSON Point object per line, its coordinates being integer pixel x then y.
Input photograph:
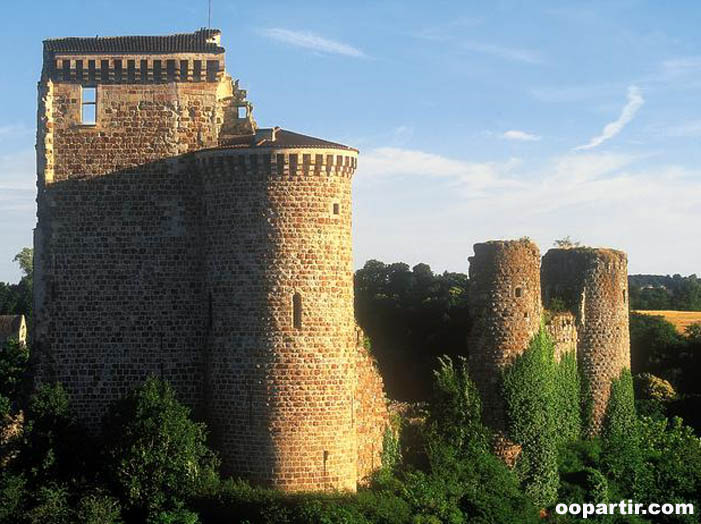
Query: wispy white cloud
{"type": "Point", "coordinates": [523, 136]}
{"type": "Point", "coordinates": [690, 129]}
{"type": "Point", "coordinates": [515, 54]}
{"type": "Point", "coordinates": [634, 103]}
{"type": "Point", "coordinates": [312, 41]}
{"type": "Point", "coordinates": [677, 67]}
{"type": "Point", "coordinates": [441, 205]}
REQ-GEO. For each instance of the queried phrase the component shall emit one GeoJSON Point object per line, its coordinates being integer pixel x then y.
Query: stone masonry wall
{"type": "Point", "coordinates": [594, 284]}
{"type": "Point", "coordinates": [561, 326]}
{"type": "Point", "coordinates": [505, 307]}
{"type": "Point", "coordinates": [371, 415]}
{"type": "Point", "coordinates": [117, 226]}
{"type": "Point", "coordinates": [280, 390]}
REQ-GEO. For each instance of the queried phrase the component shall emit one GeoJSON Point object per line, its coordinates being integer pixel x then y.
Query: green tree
{"type": "Point", "coordinates": [155, 454]}
{"type": "Point", "coordinates": [25, 259]}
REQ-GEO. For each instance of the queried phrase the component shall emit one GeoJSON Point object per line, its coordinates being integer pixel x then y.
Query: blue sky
{"type": "Point", "coordinates": [474, 120]}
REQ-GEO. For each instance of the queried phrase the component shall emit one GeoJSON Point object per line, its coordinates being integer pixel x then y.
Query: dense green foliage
{"type": "Point", "coordinates": [568, 399]}
{"type": "Point", "coordinates": [13, 364]}
{"type": "Point", "coordinates": [412, 317]}
{"type": "Point", "coordinates": [665, 292]}
{"type": "Point", "coordinates": [155, 455]}
{"type": "Point", "coordinates": [531, 406]}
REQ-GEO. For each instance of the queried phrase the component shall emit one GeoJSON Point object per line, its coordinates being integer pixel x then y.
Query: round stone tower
{"type": "Point", "coordinates": [593, 285]}
{"type": "Point", "coordinates": [281, 343]}
{"type": "Point", "coordinates": [505, 307]}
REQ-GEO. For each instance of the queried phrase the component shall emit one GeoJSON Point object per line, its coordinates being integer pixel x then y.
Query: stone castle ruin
{"type": "Point", "coordinates": [584, 293]}
{"type": "Point", "coordinates": [178, 239]}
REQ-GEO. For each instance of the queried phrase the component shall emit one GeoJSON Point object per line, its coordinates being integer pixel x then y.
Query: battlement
{"type": "Point", "coordinates": [190, 57]}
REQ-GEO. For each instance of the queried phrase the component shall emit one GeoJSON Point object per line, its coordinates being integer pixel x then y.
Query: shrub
{"type": "Point", "coordinates": [178, 516]}
{"type": "Point", "coordinates": [155, 455]}
{"type": "Point", "coordinates": [530, 397]}
{"type": "Point", "coordinates": [465, 481]}
{"type": "Point", "coordinates": [13, 495]}
{"type": "Point", "coordinates": [391, 451]}
{"type": "Point", "coordinates": [456, 408]}
{"type": "Point", "coordinates": [50, 437]}
{"type": "Point", "coordinates": [51, 507]}
{"type": "Point", "coordinates": [671, 464]}
{"type": "Point", "coordinates": [13, 366]}
{"type": "Point", "coordinates": [99, 508]}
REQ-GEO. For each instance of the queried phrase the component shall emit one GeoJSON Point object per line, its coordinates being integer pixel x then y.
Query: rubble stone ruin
{"type": "Point", "coordinates": [175, 238]}
{"type": "Point", "coordinates": [584, 293]}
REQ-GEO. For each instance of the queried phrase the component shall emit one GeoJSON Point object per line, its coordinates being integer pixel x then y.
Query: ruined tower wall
{"type": "Point", "coordinates": [281, 382]}
{"type": "Point", "coordinates": [371, 415]}
{"type": "Point", "coordinates": [119, 287]}
{"type": "Point", "coordinates": [505, 307]}
{"type": "Point", "coordinates": [594, 284]}
{"type": "Point", "coordinates": [562, 328]}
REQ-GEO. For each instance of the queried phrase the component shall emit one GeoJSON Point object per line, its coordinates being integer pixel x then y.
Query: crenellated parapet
{"type": "Point", "coordinates": [189, 57]}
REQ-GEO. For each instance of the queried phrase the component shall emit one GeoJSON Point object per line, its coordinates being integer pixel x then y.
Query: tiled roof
{"type": "Point", "coordinates": [179, 43]}
{"type": "Point", "coordinates": [276, 137]}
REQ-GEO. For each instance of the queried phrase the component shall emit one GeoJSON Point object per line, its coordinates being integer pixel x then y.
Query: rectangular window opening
{"type": "Point", "coordinates": [336, 208]}
{"type": "Point", "coordinates": [242, 112]}
{"type": "Point", "coordinates": [88, 103]}
{"type": "Point", "coordinates": [297, 311]}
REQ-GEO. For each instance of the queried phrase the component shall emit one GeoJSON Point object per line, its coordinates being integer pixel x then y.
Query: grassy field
{"type": "Point", "coordinates": [680, 319]}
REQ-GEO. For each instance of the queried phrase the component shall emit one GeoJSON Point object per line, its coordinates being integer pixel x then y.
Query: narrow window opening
{"type": "Point", "coordinates": [131, 70]}
{"type": "Point", "coordinates": [79, 70]}
{"type": "Point", "coordinates": [212, 70]}
{"type": "Point", "coordinates": [183, 70]}
{"type": "Point", "coordinates": [105, 70]}
{"type": "Point", "coordinates": [118, 70]}
{"type": "Point", "coordinates": [157, 71]}
{"type": "Point", "coordinates": [242, 112]}
{"type": "Point", "coordinates": [91, 70]}
{"type": "Point", "coordinates": [336, 208]}
{"type": "Point", "coordinates": [297, 311]}
{"type": "Point", "coordinates": [143, 70]}
{"type": "Point", "coordinates": [197, 70]}
{"type": "Point", "coordinates": [518, 292]}
{"type": "Point", "coordinates": [624, 296]}
{"type": "Point", "coordinates": [88, 106]}
{"type": "Point", "coordinates": [170, 70]}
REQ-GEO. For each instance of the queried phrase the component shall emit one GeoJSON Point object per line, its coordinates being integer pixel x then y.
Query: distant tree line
{"type": "Point", "coordinates": [658, 292]}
